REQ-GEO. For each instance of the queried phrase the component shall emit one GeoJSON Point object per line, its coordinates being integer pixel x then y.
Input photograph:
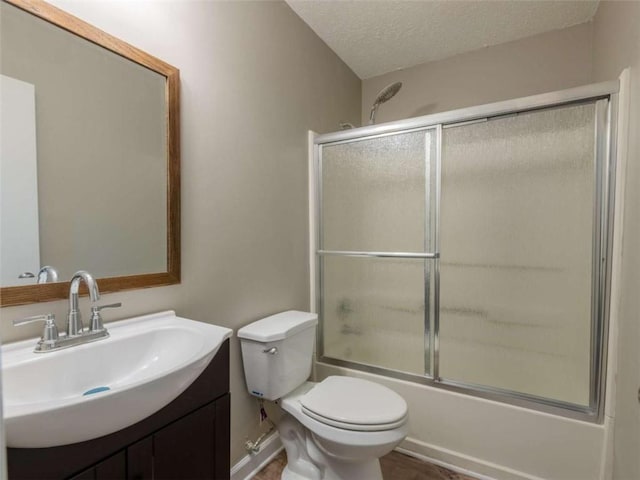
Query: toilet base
{"type": "Point", "coordinates": [306, 461]}
{"type": "Point", "coordinates": [288, 474]}
{"type": "Point", "coordinates": [367, 474]}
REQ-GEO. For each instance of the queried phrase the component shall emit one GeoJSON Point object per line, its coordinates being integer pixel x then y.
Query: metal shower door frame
{"type": "Point", "coordinates": [604, 96]}
{"type": "Point", "coordinates": [429, 239]}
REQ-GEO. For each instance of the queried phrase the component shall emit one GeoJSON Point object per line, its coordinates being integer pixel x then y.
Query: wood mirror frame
{"type": "Point", "coordinates": [19, 295]}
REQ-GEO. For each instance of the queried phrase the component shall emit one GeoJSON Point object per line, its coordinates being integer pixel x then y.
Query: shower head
{"type": "Point", "coordinates": [386, 94]}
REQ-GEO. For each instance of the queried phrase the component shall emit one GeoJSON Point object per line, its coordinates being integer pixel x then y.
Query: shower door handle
{"type": "Point", "coordinates": [353, 253]}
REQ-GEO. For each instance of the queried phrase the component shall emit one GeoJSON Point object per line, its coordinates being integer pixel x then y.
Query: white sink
{"type": "Point", "coordinates": [145, 363]}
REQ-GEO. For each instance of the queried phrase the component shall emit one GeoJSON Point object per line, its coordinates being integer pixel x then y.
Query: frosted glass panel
{"type": "Point", "coordinates": [373, 193]}
{"type": "Point", "coordinates": [373, 311]}
{"type": "Point", "coordinates": [515, 234]}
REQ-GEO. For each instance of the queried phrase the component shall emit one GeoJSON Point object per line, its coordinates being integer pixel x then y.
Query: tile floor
{"type": "Point", "coordinates": [395, 466]}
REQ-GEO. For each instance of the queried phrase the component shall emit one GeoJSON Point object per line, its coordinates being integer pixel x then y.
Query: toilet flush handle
{"type": "Point", "coordinates": [270, 351]}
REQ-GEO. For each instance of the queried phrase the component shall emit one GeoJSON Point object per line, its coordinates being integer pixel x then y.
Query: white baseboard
{"type": "Point", "coordinates": [251, 464]}
{"type": "Point", "coordinates": [458, 462]}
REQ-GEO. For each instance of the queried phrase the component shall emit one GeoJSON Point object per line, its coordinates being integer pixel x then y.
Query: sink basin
{"type": "Point", "coordinates": [84, 392]}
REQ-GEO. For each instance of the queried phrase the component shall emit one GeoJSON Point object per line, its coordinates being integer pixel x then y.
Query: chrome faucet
{"type": "Point", "coordinates": [47, 274]}
{"type": "Point", "coordinates": [76, 334]}
{"type": "Point", "coordinates": [74, 319]}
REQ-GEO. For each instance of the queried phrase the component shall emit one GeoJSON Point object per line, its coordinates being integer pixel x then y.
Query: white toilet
{"type": "Point", "coordinates": [333, 430]}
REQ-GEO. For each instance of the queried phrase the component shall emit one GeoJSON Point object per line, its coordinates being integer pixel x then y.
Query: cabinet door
{"type": "Point", "coordinates": [89, 474]}
{"type": "Point", "coordinates": [223, 438]}
{"type": "Point", "coordinates": [186, 448]}
{"type": "Point", "coordinates": [113, 468]}
{"type": "Point", "coordinates": [140, 460]}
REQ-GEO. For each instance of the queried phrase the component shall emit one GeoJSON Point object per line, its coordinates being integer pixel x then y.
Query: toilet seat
{"type": "Point", "coordinates": [291, 404]}
{"type": "Point", "coordinates": [354, 426]}
{"type": "Point", "coordinates": [354, 404]}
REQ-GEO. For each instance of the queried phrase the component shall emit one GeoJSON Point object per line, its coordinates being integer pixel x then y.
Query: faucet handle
{"type": "Point", "coordinates": [96, 320]}
{"type": "Point", "coordinates": [50, 333]}
{"type": "Point", "coordinates": [97, 308]}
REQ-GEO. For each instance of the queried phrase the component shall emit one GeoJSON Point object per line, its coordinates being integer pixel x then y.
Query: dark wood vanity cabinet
{"type": "Point", "coordinates": [187, 439]}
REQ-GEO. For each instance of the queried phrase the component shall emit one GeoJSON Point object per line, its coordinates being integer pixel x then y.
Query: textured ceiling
{"type": "Point", "coordinates": [376, 37]}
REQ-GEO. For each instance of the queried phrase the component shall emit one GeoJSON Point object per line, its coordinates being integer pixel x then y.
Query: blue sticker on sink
{"type": "Point", "coordinates": [96, 390]}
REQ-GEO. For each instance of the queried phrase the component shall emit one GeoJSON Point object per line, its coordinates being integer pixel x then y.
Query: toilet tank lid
{"type": "Point", "coordinates": [278, 326]}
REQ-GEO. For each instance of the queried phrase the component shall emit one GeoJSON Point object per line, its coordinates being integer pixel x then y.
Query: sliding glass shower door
{"type": "Point", "coordinates": [376, 237]}
{"type": "Point", "coordinates": [472, 255]}
{"type": "Point", "coordinates": [516, 236]}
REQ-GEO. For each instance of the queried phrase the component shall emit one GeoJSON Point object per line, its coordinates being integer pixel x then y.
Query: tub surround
{"type": "Point", "coordinates": [489, 438]}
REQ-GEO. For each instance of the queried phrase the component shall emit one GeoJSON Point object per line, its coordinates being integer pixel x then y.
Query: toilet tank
{"type": "Point", "coordinates": [277, 352]}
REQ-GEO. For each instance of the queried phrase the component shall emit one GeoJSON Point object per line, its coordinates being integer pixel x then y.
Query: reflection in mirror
{"type": "Point", "coordinates": [19, 235]}
{"type": "Point", "coordinates": [89, 163]}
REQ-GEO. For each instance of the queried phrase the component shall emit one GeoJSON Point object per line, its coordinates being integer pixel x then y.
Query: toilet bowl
{"type": "Point", "coordinates": [336, 429]}
{"type": "Point", "coordinates": [340, 449]}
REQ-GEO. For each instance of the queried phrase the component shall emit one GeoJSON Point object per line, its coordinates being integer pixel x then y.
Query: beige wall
{"type": "Point", "coordinates": [542, 63]}
{"type": "Point", "coordinates": [255, 78]}
{"type": "Point", "coordinates": [617, 46]}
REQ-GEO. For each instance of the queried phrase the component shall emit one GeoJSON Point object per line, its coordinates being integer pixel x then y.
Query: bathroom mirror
{"type": "Point", "coordinates": [89, 168]}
